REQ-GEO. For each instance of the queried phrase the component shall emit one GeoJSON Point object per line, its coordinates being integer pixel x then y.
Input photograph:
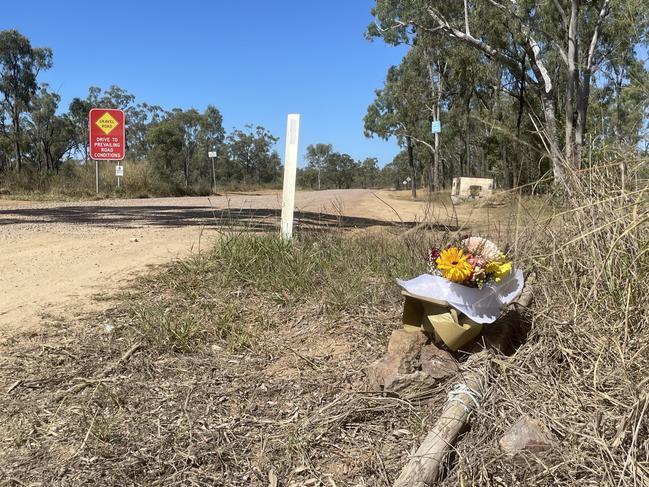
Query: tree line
{"type": "Point", "coordinates": [524, 90]}
{"type": "Point", "coordinates": [326, 168]}
{"type": "Point", "coordinates": [38, 137]}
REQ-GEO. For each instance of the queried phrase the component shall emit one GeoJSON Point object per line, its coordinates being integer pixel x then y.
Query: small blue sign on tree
{"type": "Point", "coordinates": [436, 127]}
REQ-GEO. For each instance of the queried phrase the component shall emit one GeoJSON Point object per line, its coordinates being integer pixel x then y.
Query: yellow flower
{"type": "Point", "coordinates": [499, 269]}
{"type": "Point", "coordinates": [453, 265]}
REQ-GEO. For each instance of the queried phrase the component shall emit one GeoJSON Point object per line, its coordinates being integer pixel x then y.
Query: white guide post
{"type": "Point", "coordinates": [290, 168]}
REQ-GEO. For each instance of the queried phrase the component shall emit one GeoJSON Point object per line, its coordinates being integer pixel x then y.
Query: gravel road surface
{"type": "Point", "coordinates": [56, 256]}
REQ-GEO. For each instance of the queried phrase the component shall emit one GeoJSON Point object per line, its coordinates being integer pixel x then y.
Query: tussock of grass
{"type": "Point", "coordinates": [583, 372]}
{"type": "Point", "coordinates": [219, 294]}
{"type": "Point", "coordinates": [334, 270]}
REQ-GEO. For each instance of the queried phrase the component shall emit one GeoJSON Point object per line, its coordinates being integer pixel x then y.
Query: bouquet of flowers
{"type": "Point", "coordinates": [472, 262]}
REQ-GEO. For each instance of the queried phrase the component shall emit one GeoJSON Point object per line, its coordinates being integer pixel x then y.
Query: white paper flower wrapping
{"type": "Point", "coordinates": [481, 305]}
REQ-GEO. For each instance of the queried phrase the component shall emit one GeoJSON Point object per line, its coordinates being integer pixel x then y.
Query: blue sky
{"type": "Point", "coordinates": [256, 61]}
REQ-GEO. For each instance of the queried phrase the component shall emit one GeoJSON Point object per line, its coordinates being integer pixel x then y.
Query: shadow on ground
{"type": "Point", "coordinates": [251, 219]}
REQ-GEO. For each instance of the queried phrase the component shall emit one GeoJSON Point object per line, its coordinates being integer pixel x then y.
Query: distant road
{"type": "Point", "coordinates": [56, 256]}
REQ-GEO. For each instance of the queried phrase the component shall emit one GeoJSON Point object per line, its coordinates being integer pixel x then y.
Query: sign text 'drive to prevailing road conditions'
{"type": "Point", "coordinates": [107, 135]}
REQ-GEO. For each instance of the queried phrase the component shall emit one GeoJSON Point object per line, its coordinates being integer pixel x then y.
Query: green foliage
{"type": "Point", "coordinates": [172, 145]}
{"type": "Point", "coordinates": [335, 270]}
{"type": "Point", "coordinates": [20, 63]}
{"type": "Point", "coordinates": [327, 168]}
{"type": "Point", "coordinates": [51, 135]}
{"type": "Point", "coordinates": [251, 155]}
{"type": "Point", "coordinates": [516, 99]}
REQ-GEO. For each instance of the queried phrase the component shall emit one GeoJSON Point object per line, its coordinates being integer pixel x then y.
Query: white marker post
{"type": "Point", "coordinates": [290, 168]}
{"type": "Point", "coordinates": [212, 154]}
{"type": "Point", "coordinates": [119, 172]}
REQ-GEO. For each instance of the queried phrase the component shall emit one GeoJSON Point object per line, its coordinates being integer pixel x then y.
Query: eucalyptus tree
{"type": "Point", "coordinates": [399, 109]}
{"type": "Point", "coordinates": [52, 135]}
{"type": "Point", "coordinates": [552, 48]}
{"type": "Point", "coordinates": [317, 157]}
{"type": "Point", "coordinates": [20, 64]}
{"type": "Point", "coordinates": [252, 150]}
{"type": "Point", "coordinates": [342, 169]}
{"type": "Point", "coordinates": [78, 115]}
{"type": "Point", "coordinates": [367, 173]}
{"type": "Point", "coordinates": [165, 141]}
{"type": "Point", "coordinates": [189, 124]}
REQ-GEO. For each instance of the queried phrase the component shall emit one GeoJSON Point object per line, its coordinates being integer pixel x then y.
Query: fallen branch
{"type": "Point", "coordinates": [423, 467]}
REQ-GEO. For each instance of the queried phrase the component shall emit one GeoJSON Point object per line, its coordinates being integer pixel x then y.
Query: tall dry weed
{"type": "Point", "coordinates": [583, 371]}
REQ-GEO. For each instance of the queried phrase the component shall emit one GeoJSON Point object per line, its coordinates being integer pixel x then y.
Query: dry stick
{"type": "Point", "coordinates": [423, 467]}
{"type": "Point", "coordinates": [88, 382]}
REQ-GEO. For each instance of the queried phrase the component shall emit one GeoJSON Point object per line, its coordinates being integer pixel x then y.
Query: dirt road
{"type": "Point", "coordinates": [56, 256]}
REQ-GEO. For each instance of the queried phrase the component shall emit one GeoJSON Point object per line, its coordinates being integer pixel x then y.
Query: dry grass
{"type": "Point", "coordinates": [245, 365]}
{"type": "Point", "coordinates": [583, 371]}
{"type": "Point", "coordinates": [238, 367]}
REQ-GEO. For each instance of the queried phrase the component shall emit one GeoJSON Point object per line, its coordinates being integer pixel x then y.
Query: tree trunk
{"type": "Point", "coordinates": [572, 82]}
{"type": "Point", "coordinates": [411, 163]}
{"type": "Point", "coordinates": [467, 135]}
{"type": "Point", "coordinates": [558, 166]}
{"type": "Point", "coordinates": [16, 124]}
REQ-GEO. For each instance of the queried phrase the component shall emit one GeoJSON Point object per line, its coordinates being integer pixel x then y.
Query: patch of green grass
{"type": "Point", "coordinates": [166, 328]}
{"type": "Point", "coordinates": [232, 293]}
{"type": "Point", "coordinates": [332, 269]}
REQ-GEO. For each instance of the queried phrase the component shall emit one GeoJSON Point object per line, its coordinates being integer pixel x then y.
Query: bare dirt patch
{"type": "Point", "coordinates": [56, 256]}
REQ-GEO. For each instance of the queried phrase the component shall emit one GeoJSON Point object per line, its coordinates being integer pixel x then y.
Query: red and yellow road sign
{"type": "Point", "coordinates": [107, 134]}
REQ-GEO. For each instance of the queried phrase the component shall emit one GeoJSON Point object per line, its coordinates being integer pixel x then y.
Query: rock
{"type": "Point", "coordinates": [418, 381]}
{"type": "Point", "coordinates": [456, 200]}
{"type": "Point", "coordinates": [437, 363]}
{"type": "Point", "coordinates": [526, 434]}
{"type": "Point", "coordinates": [393, 373]}
{"type": "Point", "coordinates": [398, 371]}
{"type": "Point", "coordinates": [406, 344]}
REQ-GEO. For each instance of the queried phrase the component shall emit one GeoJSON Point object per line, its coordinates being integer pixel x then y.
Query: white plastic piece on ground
{"type": "Point", "coordinates": [481, 305]}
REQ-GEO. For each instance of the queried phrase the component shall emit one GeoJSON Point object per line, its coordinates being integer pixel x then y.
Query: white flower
{"type": "Point", "coordinates": [482, 247]}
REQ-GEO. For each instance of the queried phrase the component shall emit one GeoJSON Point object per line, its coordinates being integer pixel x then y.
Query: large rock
{"type": "Point", "coordinates": [437, 363]}
{"type": "Point", "coordinates": [406, 343]}
{"type": "Point", "coordinates": [526, 434]}
{"type": "Point", "coordinates": [394, 373]}
{"type": "Point", "coordinates": [398, 371]}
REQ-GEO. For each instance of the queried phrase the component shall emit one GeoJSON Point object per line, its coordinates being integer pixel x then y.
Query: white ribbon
{"type": "Point", "coordinates": [464, 390]}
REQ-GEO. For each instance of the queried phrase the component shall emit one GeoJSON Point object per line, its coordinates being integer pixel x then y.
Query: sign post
{"type": "Point", "coordinates": [212, 154]}
{"type": "Point", "coordinates": [290, 168]}
{"type": "Point", "coordinates": [119, 172]}
{"type": "Point", "coordinates": [107, 138]}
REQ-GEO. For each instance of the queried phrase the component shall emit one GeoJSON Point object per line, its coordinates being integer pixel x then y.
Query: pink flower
{"type": "Point", "coordinates": [482, 248]}
{"type": "Point", "coordinates": [477, 261]}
